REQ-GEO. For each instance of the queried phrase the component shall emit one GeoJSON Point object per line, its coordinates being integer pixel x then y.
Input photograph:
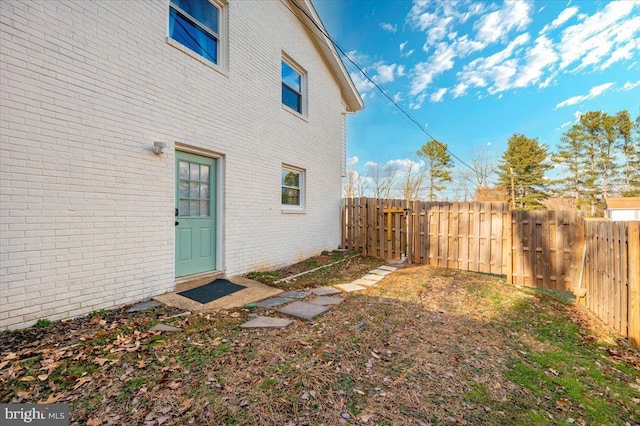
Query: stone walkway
{"type": "Point", "coordinates": [309, 305]}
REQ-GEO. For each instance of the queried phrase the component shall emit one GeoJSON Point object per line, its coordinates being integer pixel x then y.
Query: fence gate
{"type": "Point", "coordinates": [376, 227]}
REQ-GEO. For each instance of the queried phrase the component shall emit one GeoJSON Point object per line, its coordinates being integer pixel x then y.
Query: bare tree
{"type": "Point", "coordinates": [410, 184]}
{"type": "Point", "coordinates": [480, 177]}
{"type": "Point", "coordinates": [382, 178]}
{"type": "Point", "coordinates": [354, 185]}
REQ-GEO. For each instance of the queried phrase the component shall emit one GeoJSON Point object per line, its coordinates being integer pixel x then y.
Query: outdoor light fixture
{"type": "Point", "coordinates": [158, 147]}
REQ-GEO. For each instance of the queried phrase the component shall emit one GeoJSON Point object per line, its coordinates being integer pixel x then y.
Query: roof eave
{"type": "Point", "coordinates": [350, 95]}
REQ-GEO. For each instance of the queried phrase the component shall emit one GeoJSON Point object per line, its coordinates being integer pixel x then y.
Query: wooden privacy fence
{"type": "Point", "coordinates": [537, 249]}
{"type": "Point", "coordinates": [556, 250]}
{"type": "Point", "coordinates": [611, 274]}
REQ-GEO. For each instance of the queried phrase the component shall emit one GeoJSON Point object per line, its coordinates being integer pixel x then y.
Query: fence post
{"type": "Point", "coordinates": [634, 283]}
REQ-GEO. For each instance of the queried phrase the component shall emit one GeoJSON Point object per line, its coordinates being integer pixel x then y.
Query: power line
{"type": "Point", "coordinates": [369, 79]}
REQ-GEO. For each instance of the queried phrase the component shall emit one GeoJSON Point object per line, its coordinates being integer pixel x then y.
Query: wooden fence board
{"type": "Point", "coordinates": [634, 282]}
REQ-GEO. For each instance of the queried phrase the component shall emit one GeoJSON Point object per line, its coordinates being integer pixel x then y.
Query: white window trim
{"type": "Point", "coordinates": [287, 208]}
{"type": "Point", "coordinates": [223, 39]}
{"type": "Point", "coordinates": [303, 86]}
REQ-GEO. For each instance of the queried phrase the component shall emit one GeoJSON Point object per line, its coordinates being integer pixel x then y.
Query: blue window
{"type": "Point", "coordinates": [292, 87]}
{"type": "Point", "coordinates": [196, 24]}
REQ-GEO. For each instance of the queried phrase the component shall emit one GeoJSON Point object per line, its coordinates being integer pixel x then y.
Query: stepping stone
{"type": "Point", "coordinates": [348, 288]}
{"type": "Point", "coordinates": [144, 306]}
{"type": "Point", "coordinates": [303, 310]}
{"type": "Point", "coordinates": [372, 277]}
{"type": "Point", "coordinates": [396, 264]}
{"type": "Point", "coordinates": [362, 281]}
{"type": "Point", "coordinates": [380, 272]}
{"type": "Point", "coordinates": [326, 300]}
{"type": "Point", "coordinates": [267, 322]}
{"type": "Point", "coordinates": [387, 268]}
{"type": "Point", "coordinates": [325, 291]}
{"type": "Point", "coordinates": [276, 301]}
{"type": "Point", "coordinates": [164, 327]}
{"type": "Point", "coordinates": [295, 294]}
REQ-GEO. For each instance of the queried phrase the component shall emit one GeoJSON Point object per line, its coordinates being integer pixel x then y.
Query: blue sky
{"type": "Point", "coordinates": [475, 72]}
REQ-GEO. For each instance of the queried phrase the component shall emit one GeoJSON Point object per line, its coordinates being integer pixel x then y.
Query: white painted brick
{"type": "Point", "coordinates": [88, 208]}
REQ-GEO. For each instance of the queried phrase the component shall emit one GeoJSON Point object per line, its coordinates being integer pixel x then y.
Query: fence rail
{"type": "Point", "coordinates": [557, 250]}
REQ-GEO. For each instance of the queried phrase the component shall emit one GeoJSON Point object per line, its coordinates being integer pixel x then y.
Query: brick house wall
{"type": "Point", "coordinates": [87, 209]}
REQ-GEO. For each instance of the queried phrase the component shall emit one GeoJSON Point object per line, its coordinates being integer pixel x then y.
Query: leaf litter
{"type": "Point", "coordinates": [425, 346]}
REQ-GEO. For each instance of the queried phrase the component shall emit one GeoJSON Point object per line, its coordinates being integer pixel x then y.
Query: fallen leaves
{"type": "Point", "coordinates": [174, 385]}
{"type": "Point", "coordinates": [52, 399]}
{"type": "Point", "coordinates": [81, 381]}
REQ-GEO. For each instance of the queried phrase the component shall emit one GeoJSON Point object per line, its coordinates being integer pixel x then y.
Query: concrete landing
{"type": "Point", "coordinates": [253, 292]}
{"type": "Point", "coordinates": [303, 310]}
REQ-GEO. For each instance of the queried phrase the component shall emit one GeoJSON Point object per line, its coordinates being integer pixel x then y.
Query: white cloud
{"type": "Point", "coordinates": [424, 72]}
{"type": "Point", "coordinates": [562, 18]}
{"type": "Point", "coordinates": [495, 72]}
{"type": "Point", "coordinates": [397, 97]}
{"type": "Point", "coordinates": [409, 53]}
{"type": "Point", "coordinates": [565, 124]}
{"type": "Point", "coordinates": [592, 40]}
{"type": "Point", "coordinates": [387, 73]}
{"type": "Point", "coordinates": [629, 85]}
{"type": "Point", "coordinates": [625, 51]}
{"type": "Point", "coordinates": [362, 84]}
{"type": "Point", "coordinates": [593, 92]}
{"type": "Point", "coordinates": [438, 95]}
{"type": "Point", "coordinates": [358, 57]}
{"type": "Point", "coordinates": [351, 161]}
{"type": "Point", "coordinates": [495, 26]}
{"type": "Point", "coordinates": [404, 165]}
{"type": "Point", "coordinates": [418, 101]}
{"type": "Point", "coordinates": [608, 36]}
{"type": "Point", "coordinates": [538, 60]}
{"type": "Point", "coordinates": [392, 28]}
{"type": "Point", "coordinates": [459, 89]}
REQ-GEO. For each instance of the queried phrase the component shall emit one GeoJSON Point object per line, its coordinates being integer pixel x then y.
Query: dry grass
{"type": "Point", "coordinates": [426, 346]}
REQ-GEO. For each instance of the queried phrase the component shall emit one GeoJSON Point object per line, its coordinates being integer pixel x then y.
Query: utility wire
{"type": "Point", "coordinates": [369, 79]}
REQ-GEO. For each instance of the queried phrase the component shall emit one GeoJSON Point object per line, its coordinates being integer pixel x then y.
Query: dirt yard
{"type": "Point", "coordinates": [426, 346]}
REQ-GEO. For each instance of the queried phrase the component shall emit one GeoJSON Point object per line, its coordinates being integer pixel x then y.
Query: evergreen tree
{"type": "Point", "coordinates": [630, 146]}
{"type": "Point", "coordinates": [590, 125]}
{"type": "Point", "coordinates": [524, 163]}
{"type": "Point", "coordinates": [437, 167]}
{"type": "Point", "coordinates": [571, 155]}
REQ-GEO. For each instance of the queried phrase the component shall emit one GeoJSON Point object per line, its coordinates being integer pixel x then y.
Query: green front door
{"type": "Point", "coordinates": [195, 214]}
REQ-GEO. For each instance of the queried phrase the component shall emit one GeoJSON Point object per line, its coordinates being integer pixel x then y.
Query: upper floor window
{"type": "Point", "coordinates": [293, 85]}
{"type": "Point", "coordinates": [196, 24]}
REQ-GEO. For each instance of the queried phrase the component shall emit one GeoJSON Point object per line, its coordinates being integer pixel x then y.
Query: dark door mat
{"type": "Point", "coordinates": [212, 291]}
